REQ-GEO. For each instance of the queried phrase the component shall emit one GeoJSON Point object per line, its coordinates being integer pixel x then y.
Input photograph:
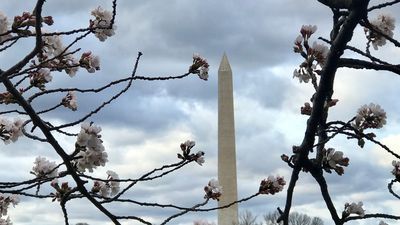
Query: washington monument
{"type": "Point", "coordinates": [226, 145]}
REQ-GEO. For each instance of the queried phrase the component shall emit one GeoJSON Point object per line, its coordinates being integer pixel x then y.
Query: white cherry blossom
{"type": "Point", "coordinates": [90, 62]}
{"type": "Point", "coordinates": [53, 45]}
{"type": "Point", "coordinates": [272, 185]}
{"type": "Point", "coordinates": [385, 23]}
{"type": "Point", "coordinates": [40, 78]}
{"type": "Point", "coordinates": [213, 189]}
{"type": "Point", "coordinates": [102, 23]}
{"type": "Point", "coordinates": [92, 153]}
{"type": "Point", "coordinates": [320, 52]}
{"type": "Point", "coordinates": [302, 75]}
{"type": "Point", "coordinates": [114, 185]}
{"type": "Point", "coordinates": [70, 101]}
{"type": "Point", "coordinates": [10, 131]}
{"type": "Point", "coordinates": [307, 30]}
{"type": "Point", "coordinates": [5, 221]}
{"type": "Point", "coordinates": [199, 158]}
{"type": "Point", "coordinates": [6, 201]}
{"type": "Point", "coordinates": [354, 208]}
{"type": "Point", "coordinates": [44, 168]}
{"type": "Point", "coordinates": [3, 27]}
{"type": "Point", "coordinates": [370, 116]}
{"type": "Point", "coordinates": [199, 66]}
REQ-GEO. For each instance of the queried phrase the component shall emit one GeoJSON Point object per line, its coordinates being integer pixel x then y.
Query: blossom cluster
{"type": "Point", "coordinates": [370, 116]}
{"type": "Point", "coordinates": [40, 77]}
{"type": "Point", "coordinates": [385, 24]}
{"type": "Point", "coordinates": [5, 202]}
{"type": "Point", "coordinates": [54, 55]}
{"type": "Point", "coordinates": [20, 24]}
{"type": "Point", "coordinates": [91, 150]}
{"type": "Point", "coordinates": [61, 191]}
{"type": "Point", "coordinates": [353, 208]}
{"type": "Point", "coordinates": [314, 55]}
{"type": "Point", "coordinates": [186, 148]}
{"type": "Point", "coordinates": [5, 221]}
{"type": "Point", "coordinates": [10, 131]}
{"type": "Point", "coordinates": [44, 168]}
{"type": "Point", "coordinates": [60, 60]}
{"type": "Point", "coordinates": [303, 74]}
{"type": "Point", "coordinates": [110, 187]}
{"type": "Point", "coordinates": [3, 27]}
{"type": "Point", "coordinates": [200, 67]}
{"type": "Point", "coordinates": [102, 23]}
{"type": "Point", "coordinates": [307, 30]}
{"type": "Point", "coordinates": [90, 62]}
{"type": "Point", "coordinates": [52, 46]}
{"type": "Point", "coordinates": [272, 185]}
{"type": "Point", "coordinates": [7, 98]}
{"type": "Point", "coordinates": [396, 169]}
{"type": "Point", "coordinates": [70, 101]}
{"type": "Point", "coordinates": [26, 20]}
{"type": "Point", "coordinates": [213, 190]}
{"type": "Point", "coordinates": [54, 49]}
{"type": "Point", "coordinates": [334, 160]}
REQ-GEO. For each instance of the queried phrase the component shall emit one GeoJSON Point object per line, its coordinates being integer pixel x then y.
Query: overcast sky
{"type": "Point", "coordinates": [143, 128]}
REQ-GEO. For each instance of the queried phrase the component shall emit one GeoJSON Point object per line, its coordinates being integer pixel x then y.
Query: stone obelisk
{"type": "Point", "coordinates": [226, 145]}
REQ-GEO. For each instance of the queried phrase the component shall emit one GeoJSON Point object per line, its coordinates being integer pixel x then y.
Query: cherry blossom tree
{"type": "Point", "coordinates": [26, 82]}
{"type": "Point", "coordinates": [322, 59]}
{"type": "Point", "coordinates": [295, 218]}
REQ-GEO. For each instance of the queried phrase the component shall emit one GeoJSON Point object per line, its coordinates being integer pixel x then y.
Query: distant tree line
{"type": "Point", "coordinates": [295, 218]}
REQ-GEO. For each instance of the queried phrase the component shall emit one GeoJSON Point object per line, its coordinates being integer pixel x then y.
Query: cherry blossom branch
{"type": "Point", "coordinates": [323, 93]}
{"type": "Point", "coordinates": [375, 215]}
{"type": "Point", "coordinates": [161, 78]}
{"type": "Point", "coordinates": [186, 208]}
{"type": "Point", "coordinates": [12, 111]}
{"type": "Point", "coordinates": [343, 127]}
{"type": "Point", "coordinates": [101, 106]}
{"type": "Point", "coordinates": [175, 167]}
{"type": "Point", "coordinates": [184, 212]}
{"type": "Point", "coordinates": [200, 67]}
{"type": "Point", "coordinates": [37, 120]}
{"type": "Point", "coordinates": [358, 134]}
{"type": "Point", "coordinates": [365, 23]}
{"type": "Point", "coordinates": [361, 64]}
{"type": "Point", "coordinates": [145, 177]}
{"type": "Point", "coordinates": [390, 187]}
{"type": "Point", "coordinates": [358, 51]}
{"type": "Point", "coordinates": [99, 89]}
{"type": "Point", "coordinates": [380, 6]}
{"type": "Point", "coordinates": [318, 175]}
{"type": "Point", "coordinates": [8, 46]}
{"type": "Point", "coordinates": [36, 49]}
{"type": "Point", "coordinates": [27, 194]}
{"type": "Point", "coordinates": [64, 211]}
{"type": "Point", "coordinates": [133, 218]}
{"type": "Point", "coordinates": [289, 195]}
{"type": "Point", "coordinates": [338, 4]}
{"type": "Point", "coordinates": [183, 209]}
